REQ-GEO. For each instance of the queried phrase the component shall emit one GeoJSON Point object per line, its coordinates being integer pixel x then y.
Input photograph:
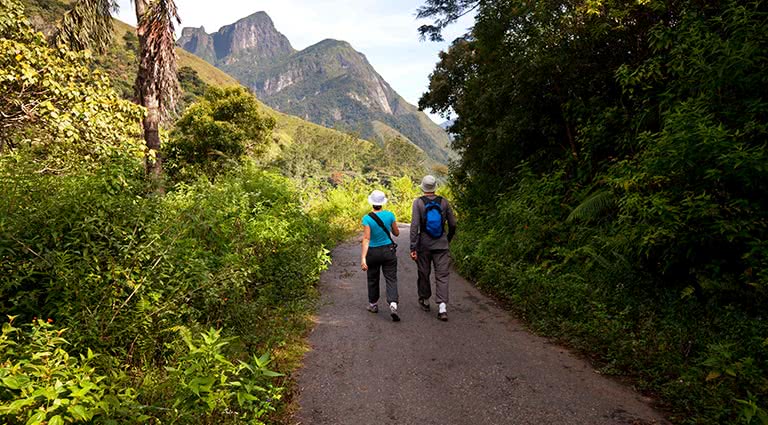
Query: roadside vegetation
{"type": "Point", "coordinates": [612, 185]}
{"type": "Point", "coordinates": [123, 303]}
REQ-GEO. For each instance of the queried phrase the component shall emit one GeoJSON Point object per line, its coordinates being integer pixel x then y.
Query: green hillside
{"type": "Point", "coordinates": [122, 60]}
{"type": "Point", "coordinates": [345, 91]}
{"type": "Point", "coordinates": [208, 73]}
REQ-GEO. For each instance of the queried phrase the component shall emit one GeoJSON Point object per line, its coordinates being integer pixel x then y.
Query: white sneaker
{"type": "Point", "coordinates": [393, 311]}
{"type": "Point", "coordinates": [442, 312]}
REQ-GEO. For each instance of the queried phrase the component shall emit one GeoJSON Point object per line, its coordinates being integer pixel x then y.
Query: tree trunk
{"type": "Point", "coordinates": [141, 6]}
{"type": "Point", "coordinates": [568, 132]}
{"type": "Point", "coordinates": [154, 163]}
{"type": "Point", "coordinates": [149, 99]}
{"type": "Point", "coordinates": [572, 142]}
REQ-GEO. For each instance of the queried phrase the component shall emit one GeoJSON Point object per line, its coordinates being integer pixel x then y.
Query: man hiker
{"type": "Point", "coordinates": [430, 244]}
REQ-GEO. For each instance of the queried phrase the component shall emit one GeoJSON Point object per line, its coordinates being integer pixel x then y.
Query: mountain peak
{"type": "Point", "coordinates": [192, 31]}
{"type": "Point", "coordinates": [252, 38]}
{"type": "Point", "coordinates": [334, 42]}
{"type": "Point", "coordinates": [259, 17]}
{"type": "Point", "coordinates": [329, 83]}
{"type": "Point", "coordinates": [330, 44]}
{"type": "Point", "coordinates": [198, 41]}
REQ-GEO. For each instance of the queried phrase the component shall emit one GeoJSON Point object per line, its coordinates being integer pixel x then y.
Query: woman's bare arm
{"type": "Point", "coordinates": [366, 242]}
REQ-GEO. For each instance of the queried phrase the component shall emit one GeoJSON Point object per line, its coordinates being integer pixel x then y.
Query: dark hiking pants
{"type": "Point", "coordinates": [378, 259]}
{"type": "Point", "coordinates": [441, 259]}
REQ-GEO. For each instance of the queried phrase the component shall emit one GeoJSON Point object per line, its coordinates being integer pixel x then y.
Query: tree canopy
{"type": "Point", "coordinates": [54, 102]}
{"type": "Point", "coordinates": [219, 129]}
{"type": "Point", "coordinates": [621, 147]}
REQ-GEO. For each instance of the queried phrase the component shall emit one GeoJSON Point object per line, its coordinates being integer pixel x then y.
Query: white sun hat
{"type": "Point", "coordinates": [377, 197]}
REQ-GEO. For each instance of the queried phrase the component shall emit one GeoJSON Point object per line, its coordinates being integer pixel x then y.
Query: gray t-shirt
{"type": "Point", "coordinates": [421, 241]}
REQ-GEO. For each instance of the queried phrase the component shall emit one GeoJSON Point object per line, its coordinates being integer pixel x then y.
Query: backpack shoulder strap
{"type": "Point", "coordinates": [440, 201]}
{"type": "Point", "coordinates": [378, 221]}
{"type": "Point", "coordinates": [424, 200]}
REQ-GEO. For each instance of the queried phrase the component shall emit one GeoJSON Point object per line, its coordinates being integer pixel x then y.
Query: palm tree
{"type": "Point", "coordinates": [157, 84]}
{"type": "Point", "coordinates": [88, 24]}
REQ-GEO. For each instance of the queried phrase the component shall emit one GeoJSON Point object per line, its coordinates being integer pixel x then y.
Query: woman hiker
{"type": "Point", "coordinates": [380, 252]}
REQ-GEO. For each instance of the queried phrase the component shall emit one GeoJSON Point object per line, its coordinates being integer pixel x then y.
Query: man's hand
{"type": "Point", "coordinates": [414, 255]}
{"type": "Point", "coordinates": [364, 265]}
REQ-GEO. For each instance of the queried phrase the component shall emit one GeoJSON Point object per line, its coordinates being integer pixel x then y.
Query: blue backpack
{"type": "Point", "coordinates": [432, 222]}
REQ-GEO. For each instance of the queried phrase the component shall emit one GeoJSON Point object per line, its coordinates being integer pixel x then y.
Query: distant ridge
{"type": "Point", "coordinates": [329, 83]}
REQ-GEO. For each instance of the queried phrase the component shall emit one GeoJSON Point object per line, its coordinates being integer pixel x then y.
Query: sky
{"type": "Point", "coordinates": [385, 31]}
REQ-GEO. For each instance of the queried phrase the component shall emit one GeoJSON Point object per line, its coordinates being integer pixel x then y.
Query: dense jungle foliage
{"type": "Point", "coordinates": [128, 305]}
{"type": "Point", "coordinates": [612, 183]}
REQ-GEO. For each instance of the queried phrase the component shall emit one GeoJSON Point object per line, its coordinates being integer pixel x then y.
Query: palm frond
{"type": "Point", "coordinates": [592, 207]}
{"type": "Point", "coordinates": [157, 75]}
{"type": "Point", "coordinates": [87, 25]}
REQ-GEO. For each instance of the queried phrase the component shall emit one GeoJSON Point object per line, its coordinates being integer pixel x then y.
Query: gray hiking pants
{"type": "Point", "coordinates": [441, 258]}
{"type": "Point", "coordinates": [382, 258]}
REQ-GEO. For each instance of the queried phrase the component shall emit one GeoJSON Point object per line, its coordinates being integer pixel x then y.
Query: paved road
{"type": "Point", "coordinates": [480, 367]}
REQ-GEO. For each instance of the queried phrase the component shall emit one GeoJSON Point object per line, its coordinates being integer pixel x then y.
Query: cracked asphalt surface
{"type": "Point", "coordinates": [480, 367]}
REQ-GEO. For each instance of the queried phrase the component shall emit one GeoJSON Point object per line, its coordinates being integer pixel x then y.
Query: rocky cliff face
{"type": "Point", "coordinates": [326, 66]}
{"type": "Point", "coordinates": [253, 37]}
{"type": "Point", "coordinates": [200, 43]}
{"type": "Point", "coordinates": [329, 83]}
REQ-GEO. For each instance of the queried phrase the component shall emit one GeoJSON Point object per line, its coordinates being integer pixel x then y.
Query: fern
{"type": "Point", "coordinates": [594, 206]}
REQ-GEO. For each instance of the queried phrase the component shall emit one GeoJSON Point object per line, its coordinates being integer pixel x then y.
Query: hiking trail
{"type": "Point", "coordinates": [480, 367]}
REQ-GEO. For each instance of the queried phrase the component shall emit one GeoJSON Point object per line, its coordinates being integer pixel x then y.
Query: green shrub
{"type": "Point", "coordinates": [694, 191]}
{"type": "Point", "coordinates": [341, 208]}
{"type": "Point", "coordinates": [73, 247]}
{"type": "Point", "coordinates": [121, 268]}
{"type": "Point", "coordinates": [84, 241]}
{"type": "Point", "coordinates": [313, 154]}
{"type": "Point", "coordinates": [582, 284]}
{"type": "Point", "coordinates": [41, 383]}
{"type": "Point", "coordinates": [77, 117]}
{"type": "Point", "coordinates": [620, 201]}
{"type": "Point", "coordinates": [216, 132]}
{"type": "Point", "coordinates": [207, 387]}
